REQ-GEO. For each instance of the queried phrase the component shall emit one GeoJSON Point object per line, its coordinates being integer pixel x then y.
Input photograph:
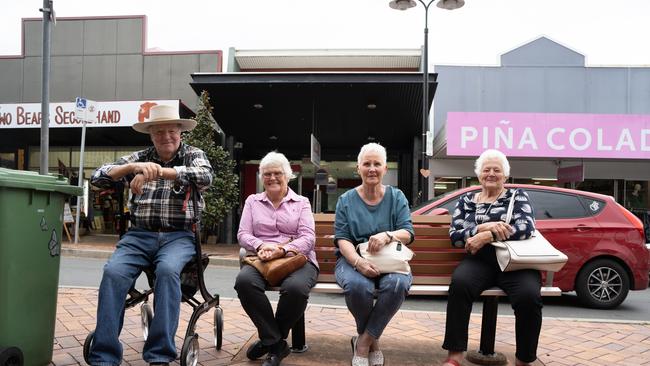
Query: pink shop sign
{"type": "Point", "coordinates": [561, 135]}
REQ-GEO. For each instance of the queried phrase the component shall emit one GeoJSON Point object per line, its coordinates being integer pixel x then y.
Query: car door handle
{"type": "Point", "coordinates": [582, 228]}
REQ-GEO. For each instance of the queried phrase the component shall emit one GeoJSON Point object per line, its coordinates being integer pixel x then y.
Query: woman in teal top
{"type": "Point", "coordinates": [377, 214]}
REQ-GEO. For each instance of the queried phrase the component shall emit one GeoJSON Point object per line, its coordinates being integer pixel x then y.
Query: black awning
{"type": "Point", "coordinates": [266, 111]}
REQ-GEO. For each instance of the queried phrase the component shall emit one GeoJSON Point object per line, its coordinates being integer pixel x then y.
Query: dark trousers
{"type": "Point", "coordinates": [478, 272]}
{"type": "Point", "coordinates": [294, 293]}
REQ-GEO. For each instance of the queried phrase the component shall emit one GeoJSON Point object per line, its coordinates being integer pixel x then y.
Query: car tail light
{"type": "Point", "coordinates": [635, 221]}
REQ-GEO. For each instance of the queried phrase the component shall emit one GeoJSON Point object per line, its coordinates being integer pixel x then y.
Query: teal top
{"type": "Point", "coordinates": [356, 220]}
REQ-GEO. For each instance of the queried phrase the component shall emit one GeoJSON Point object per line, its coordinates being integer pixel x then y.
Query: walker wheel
{"type": "Point", "coordinates": [190, 351]}
{"type": "Point", "coordinates": [218, 327]}
{"type": "Point", "coordinates": [146, 314]}
{"type": "Point", "coordinates": [88, 343]}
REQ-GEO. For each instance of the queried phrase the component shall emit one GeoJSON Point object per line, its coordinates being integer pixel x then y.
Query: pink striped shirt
{"type": "Point", "coordinates": [291, 221]}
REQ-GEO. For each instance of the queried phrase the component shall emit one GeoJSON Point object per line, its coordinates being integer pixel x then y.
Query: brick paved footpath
{"type": "Point", "coordinates": [412, 338]}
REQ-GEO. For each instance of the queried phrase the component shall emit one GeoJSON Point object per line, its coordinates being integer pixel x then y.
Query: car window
{"type": "Point", "coordinates": [449, 205]}
{"type": "Point", "coordinates": [426, 203]}
{"type": "Point", "coordinates": [593, 205]}
{"type": "Point", "coordinates": [556, 205]}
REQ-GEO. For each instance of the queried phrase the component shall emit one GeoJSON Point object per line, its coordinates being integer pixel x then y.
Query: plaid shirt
{"type": "Point", "coordinates": [163, 204]}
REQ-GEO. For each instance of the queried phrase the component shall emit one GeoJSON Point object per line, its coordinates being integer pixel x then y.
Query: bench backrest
{"type": "Point", "coordinates": [434, 261]}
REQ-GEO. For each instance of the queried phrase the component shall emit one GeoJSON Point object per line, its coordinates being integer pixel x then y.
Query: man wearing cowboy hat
{"type": "Point", "coordinates": [160, 233]}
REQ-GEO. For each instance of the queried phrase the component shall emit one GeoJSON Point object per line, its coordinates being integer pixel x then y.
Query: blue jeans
{"type": "Point", "coordinates": [138, 249]}
{"type": "Point", "coordinates": [359, 290]}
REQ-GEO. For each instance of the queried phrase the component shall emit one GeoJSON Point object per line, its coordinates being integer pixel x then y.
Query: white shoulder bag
{"type": "Point", "coordinates": [533, 253]}
{"type": "Point", "coordinates": [394, 257]}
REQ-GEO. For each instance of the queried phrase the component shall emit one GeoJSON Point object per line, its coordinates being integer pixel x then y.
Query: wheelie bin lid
{"type": "Point", "coordinates": [32, 180]}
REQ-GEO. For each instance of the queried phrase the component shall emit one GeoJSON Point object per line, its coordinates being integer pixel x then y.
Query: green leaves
{"type": "Point", "coordinates": [223, 194]}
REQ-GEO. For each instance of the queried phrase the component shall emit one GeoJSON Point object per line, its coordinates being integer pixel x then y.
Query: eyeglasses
{"type": "Point", "coordinates": [272, 174]}
{"type": "Point", "coordinates": [161, 133]}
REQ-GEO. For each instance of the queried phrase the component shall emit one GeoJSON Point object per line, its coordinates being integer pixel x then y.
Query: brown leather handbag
{"type": "Point", "coordinates": [276, 270]}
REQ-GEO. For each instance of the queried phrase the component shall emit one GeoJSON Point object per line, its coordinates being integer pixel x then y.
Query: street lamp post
{"type": "Point", "coordinates": [404, 5]}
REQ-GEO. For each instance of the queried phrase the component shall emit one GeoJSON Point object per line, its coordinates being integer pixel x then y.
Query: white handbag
{"type": "Point", "coordinates": [394, 257]}
{"type": "Point", "coordinates": [533, 253]}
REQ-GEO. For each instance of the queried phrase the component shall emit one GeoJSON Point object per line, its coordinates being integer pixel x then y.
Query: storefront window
{"type": "Point", "coordinates": [55, 155]}
{"type": "Point", "coordinates": [8, 160]}
{"type": "Point", "coordinates": [94, 157]}
{"type": "Point", "coordinates": [636, 194]}
{"type": "Point", "coordinates": [602, 186]}
{"type": "Point", "coordinates": [442, 185]}
{"type": "Point", "coordinates": [537, 181]}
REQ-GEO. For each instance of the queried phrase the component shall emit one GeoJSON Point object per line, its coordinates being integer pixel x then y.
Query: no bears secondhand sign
{"type": "Point", "coordinates": [108, 114]}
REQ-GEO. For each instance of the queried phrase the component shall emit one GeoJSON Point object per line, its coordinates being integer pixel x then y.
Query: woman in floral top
{"type": "Point", "coordinates": [478, 220]}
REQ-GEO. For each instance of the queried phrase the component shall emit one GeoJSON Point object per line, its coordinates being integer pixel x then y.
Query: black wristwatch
{"type": "Point", "coordinates": [390, 237]}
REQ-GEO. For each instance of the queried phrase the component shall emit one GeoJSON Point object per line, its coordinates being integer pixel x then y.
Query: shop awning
{"type": "Point", "coordinates": [344, 110]}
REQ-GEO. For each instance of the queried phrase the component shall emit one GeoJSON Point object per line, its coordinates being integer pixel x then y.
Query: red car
{"type": "Point", "coordinates": [605, 242]}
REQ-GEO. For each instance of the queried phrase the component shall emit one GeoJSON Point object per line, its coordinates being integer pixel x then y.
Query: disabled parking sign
{"type": "Point", "coordinates": [80, 103]}
{"type": "Point", "coordinates": [85, 110]}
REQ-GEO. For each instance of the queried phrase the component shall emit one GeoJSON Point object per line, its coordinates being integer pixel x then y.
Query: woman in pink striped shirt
{"type": "Point", "coordinates": [273, 223]}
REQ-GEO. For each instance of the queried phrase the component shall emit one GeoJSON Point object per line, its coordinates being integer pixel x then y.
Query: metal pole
{"type": "Point", "coordinates": [48, 10]}
{"type": "Point", "coordinates": [424, 186]}
{"type": "Point", "coordinates": [80, 176]}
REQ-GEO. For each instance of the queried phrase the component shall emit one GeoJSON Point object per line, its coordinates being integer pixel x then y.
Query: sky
{"type": "Point", "coordinates": [607, 32]}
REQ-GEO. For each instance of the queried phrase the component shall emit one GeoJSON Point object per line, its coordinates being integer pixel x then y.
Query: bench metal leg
{"type": "Point", "coordinates": [486, 354]}
{"type": "Point", "coordinates": [298, 336]}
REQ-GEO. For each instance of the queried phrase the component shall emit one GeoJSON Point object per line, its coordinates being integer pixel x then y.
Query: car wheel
{"type": "Point", "coordinates": [602, 284]}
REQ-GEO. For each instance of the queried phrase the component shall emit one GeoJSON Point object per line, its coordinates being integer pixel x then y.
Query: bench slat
{"type": "Point", "coordinates": [333, 288]}
{"type": "Point", "coordinates": [432, 231]}
{"type": "Point", "coordinates": [432, 219]}
{"type": "Point", "coordinates": [430, 243]}
{"type": "Point", "coordinates": [323, 229]}
{"type": "Point", "coordinates": [418, 280]}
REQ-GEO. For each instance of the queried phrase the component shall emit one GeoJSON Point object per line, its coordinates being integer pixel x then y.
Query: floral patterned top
{"type": "Point", "coordinates": [468, 215]}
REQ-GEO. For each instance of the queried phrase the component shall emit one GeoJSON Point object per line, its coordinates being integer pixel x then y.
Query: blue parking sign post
{"type": "Point", "coordinates": [81, 113]}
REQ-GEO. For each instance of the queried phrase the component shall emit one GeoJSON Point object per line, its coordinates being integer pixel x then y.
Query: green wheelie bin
{"type": "Point", "coordinates": [31, 221]}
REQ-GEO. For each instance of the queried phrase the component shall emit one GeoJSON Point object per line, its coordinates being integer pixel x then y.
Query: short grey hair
{"type": "Point", "coordinates": [372, 147]}
{"type": "Point", "coordinates": [276, 159]}
{"type": "Point", "coordinates": [492, 154]}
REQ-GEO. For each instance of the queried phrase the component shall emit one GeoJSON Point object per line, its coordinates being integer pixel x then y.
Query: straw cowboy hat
{"type": "Point", "coordinates": [162, 115]}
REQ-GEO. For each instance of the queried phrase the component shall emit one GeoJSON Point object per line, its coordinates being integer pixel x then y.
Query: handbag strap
{"type": "Point", "coordinates": [294, 251]}
{"type": "Point", "coordinates": [511, 207]}
{"type": "Point", "coordinates": [399, 247]}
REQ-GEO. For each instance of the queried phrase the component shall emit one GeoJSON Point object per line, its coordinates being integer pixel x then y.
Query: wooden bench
{"type": "Point", "coordinates": [432, 266]}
